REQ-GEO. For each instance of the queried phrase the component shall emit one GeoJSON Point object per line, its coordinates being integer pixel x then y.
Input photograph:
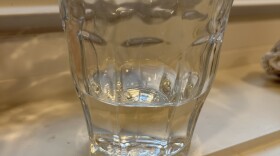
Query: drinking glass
{"type": "Point", "coordinates": [142, 69]}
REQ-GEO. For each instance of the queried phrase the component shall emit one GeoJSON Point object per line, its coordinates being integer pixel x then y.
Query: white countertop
{"type": "Point", "coordinates": [41, 115]}
{"type": "Point", "coordinates": [241, 110]}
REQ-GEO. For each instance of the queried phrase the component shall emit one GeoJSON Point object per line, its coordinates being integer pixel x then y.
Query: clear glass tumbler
{"type": "Point", "coordinates": [142, 69]}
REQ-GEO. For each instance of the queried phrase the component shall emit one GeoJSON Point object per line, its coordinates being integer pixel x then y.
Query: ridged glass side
{"type": "Point", "coordinates": [143, 69]}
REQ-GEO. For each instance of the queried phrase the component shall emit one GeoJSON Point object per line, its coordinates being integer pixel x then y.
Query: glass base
{"type": "Point", "coordinates": [142, 146]}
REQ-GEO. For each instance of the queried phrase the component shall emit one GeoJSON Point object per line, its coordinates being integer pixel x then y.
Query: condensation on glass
{"type": "Point", "coordinates": [142, 69]}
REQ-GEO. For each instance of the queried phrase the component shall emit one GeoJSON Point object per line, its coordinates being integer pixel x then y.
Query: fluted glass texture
{"type": "Point", "coordinates": [142, 69]}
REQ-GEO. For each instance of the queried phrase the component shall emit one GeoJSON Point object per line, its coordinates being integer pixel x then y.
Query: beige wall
{"type": "Point", "coordinates": [26, 2]}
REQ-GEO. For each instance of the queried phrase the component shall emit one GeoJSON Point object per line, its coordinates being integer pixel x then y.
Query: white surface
{"type": "Point", "coordinates": [242, 106]}
{"type": "Point", "coordinates": [50, 127]}
{"type": "Point", "coordinates": [240, 117]}
{"type": "Point", "coordinates": [27, 10]}
{"type": "Point", "coordinates": [255, 2]}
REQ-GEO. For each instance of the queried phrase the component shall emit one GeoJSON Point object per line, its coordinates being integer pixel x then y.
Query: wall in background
{"type": "Point", "coordinates": [8, 3]}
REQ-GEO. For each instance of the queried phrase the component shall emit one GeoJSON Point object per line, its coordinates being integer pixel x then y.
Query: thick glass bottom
{"type": "Point", "coordinates": [140, 146]}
